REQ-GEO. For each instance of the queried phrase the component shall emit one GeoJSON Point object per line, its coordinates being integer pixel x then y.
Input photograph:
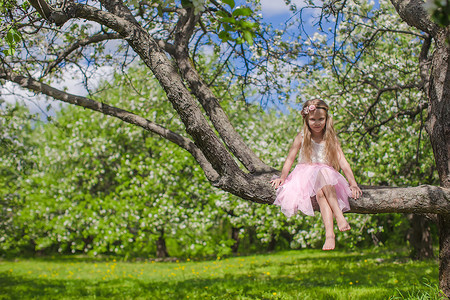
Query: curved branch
{"type": "Point", "coordinates": [84, 11]}
{"type": "Point", "coordinates": [421, 199]}
{"type": "Point", "coordinates": [78, 44]}
{"type": "Point", "coordinates": [381, 91]}
{"type": "Point", "coordinates": [49, 13]}
{"type": "Point", "coordinates": [208, 100]}
{"type": "Point", "coordinates": [414, 13]}
{"type": "Point", "coordinates": [420, 107]}
{"type": "Point", "coordinates": [126, 116]}
{"type": "Point", "coordinates": [119, 9]}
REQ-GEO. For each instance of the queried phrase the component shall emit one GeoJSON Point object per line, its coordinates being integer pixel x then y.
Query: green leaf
{"type": "Point", "coordinates": [243, 12]}
{"type": "Point", "coordinates": [248, 36]}
{"type": "Point", "coordinates": [224, 36]}
{"type": "Point", "coordinates": [222, 14]}
{"type": "Point", "coordinates": [230, 3]}
{"type": "Point", "coordinates": [160, 11]}
{"type": "Point", "coordinates": [9, 37]}
{"type": "Point", "coordinates": [16, 35]}
{"type": "Point", "coordinates": [228, 20]}
{"type": "Point", "coordinates": [26, 5]}
{"type": "Point", "coordinates": [227, 27]}
{"type": "Point", "coordinates": [247, 24]}
{"type": "Point", "coordinates": [9, 52]}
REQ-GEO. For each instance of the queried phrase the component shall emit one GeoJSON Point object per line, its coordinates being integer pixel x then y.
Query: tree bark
{"type": "Point", "coordinates": [438, 128]}
{"type": "Point", "coordinates": [161, 249]}
{"type": "Point", "coordinates": [413, 12]}
{"type": "Point", "coordinates": [419, 237]}
{"type": "Point", "coordinates": [272, 244]}
{"type": "Point", "coordinates": [421, 199]}
{"type": "Point", "coordinates": [235, 237]}
{"type": "Point", "coordinates": [444, 253]}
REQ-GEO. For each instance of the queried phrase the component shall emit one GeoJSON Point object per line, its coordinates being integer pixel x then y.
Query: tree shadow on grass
{"type": "Point", "coordinates": [306, 277]}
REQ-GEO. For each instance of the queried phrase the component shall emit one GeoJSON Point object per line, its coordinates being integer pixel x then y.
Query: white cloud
{"type": "Point", "coordinates": [271, 8]}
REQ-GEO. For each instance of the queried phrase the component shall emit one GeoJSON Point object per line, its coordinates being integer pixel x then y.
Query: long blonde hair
{"type": "Point", "coordinates": [329, 135]}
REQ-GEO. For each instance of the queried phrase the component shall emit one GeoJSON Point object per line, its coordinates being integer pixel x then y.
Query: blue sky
{"type": "Point", "coordinates": [277, 12]}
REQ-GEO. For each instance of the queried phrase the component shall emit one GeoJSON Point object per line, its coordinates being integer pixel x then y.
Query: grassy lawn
{"type": "Point", "coordinates": [305, 274]}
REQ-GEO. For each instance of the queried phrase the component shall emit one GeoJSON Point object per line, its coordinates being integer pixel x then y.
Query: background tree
{"type": "Point", "coordinates": [16, 162]}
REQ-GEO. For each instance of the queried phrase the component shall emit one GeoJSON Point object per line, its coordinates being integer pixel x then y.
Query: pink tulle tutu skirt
{"type": "Point", "coordinates": [304, 182]}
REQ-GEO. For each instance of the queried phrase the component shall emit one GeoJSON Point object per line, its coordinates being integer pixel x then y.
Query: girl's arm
{"type": "Point", "coordinates": [345, 166]}
{"type": "Point", "coordinates": [289, 161]}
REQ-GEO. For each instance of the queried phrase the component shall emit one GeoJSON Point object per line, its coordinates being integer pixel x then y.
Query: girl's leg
{"type": "Point", "coordinates": [327, 217]}
{"type": "Point", "coordinates": [331, 197]}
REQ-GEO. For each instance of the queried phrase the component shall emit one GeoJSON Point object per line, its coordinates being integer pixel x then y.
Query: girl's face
{"type": "Point", "coordinates": [317, 120]}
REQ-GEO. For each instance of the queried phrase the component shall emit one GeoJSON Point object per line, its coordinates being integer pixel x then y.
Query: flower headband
{"type": "Point", "coordinates": [310, 108]}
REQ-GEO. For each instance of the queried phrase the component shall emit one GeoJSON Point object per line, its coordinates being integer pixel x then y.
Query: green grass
{"type": "Point", "coordinates": [305, 274]}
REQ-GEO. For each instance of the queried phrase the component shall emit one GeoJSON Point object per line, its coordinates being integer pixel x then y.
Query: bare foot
{"type": "Point", "coordinates": [343, 224]}
{"type": "Point", "coordinates": [329, 243]}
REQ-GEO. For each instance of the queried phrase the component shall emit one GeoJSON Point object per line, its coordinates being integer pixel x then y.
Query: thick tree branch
{"type": "Point", "coordinates": [421, 199]}
{"type": "Point", "coordinates": [117, 8]}
{"type": "Point", "coordinates": [414, 13]}
{"type": "Point", "coordinates": [224, 171]}
{"type": "Point", "coordinates": [150, 52]}
{"type": "Point", "coordinates": [438, 124]}
{"type": "Point", "coordinates": [77, 10]}
{"type": "Point", "coordinates": [208, 100]}
{"type": "Point", "coordinates": [49, 13]}
{"type": "Point", "coordinates": [131, 118]}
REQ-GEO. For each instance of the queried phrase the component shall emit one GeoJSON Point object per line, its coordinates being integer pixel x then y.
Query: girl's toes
{"type": "Point", "coordinates": [329, 244]}
{"type": "Point", "coordinates": [345, 227]}
{"type": "Point", "coordinates": [343, 224]}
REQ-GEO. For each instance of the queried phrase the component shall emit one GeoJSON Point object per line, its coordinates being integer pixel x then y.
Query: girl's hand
{"type": "Point", "coordinates": [356, 191]}
{"type": "Point", "coordinates": [277, 182]}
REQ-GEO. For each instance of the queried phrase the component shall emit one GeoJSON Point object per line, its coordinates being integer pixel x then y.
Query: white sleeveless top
{"type": "Point", "coordinates": [317, 154]}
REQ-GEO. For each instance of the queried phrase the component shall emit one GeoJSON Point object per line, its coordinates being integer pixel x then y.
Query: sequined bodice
{"type": "Point", "coordinates": [317, 153]}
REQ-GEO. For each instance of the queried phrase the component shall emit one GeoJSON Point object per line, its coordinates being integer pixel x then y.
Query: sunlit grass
{"type": "Point", "coordinates": [306, 274]}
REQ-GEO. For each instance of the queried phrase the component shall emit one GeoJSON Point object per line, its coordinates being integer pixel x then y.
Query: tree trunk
{"type": "Point", "coordinates": [438, 127]}
{"type": "Point", "coordinates": [419, 237]}
{"type": "Point", "coordinates": [272, 243]}
{"type": "Point", "coordinates": [161, 249]}
{"type": "Point", "coordinates": [444, 253]}
{"type": "Point", "coordinates": [235, 237]}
